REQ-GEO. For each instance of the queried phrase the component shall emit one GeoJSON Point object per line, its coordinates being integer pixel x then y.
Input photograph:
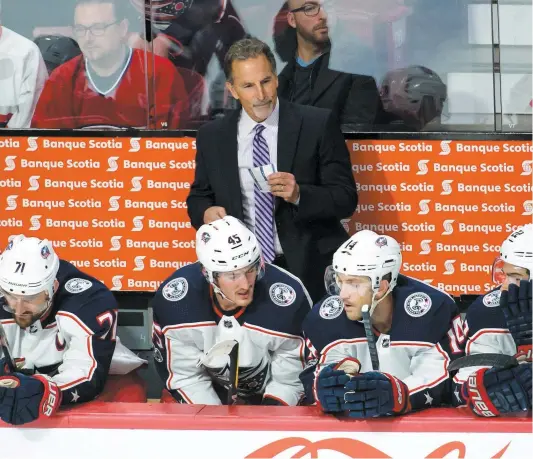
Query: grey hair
{"type": "Point", "coordinates": [245, 49]}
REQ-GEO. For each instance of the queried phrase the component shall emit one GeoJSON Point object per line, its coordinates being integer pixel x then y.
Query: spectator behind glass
{"type": "Point", "coordinates": [106, 87]}
{"type": "Point", "coordinates": [195, 35]}
{"type": "Point", "coordinates": [307, 79]}
{"type": "Point", "coordinates": [22, 77]}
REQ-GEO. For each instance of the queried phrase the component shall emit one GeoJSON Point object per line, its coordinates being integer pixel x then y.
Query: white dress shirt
{"type": "Point", "coordinates": [245, 138]}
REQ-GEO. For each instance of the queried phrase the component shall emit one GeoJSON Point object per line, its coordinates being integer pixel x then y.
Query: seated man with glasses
{"type": "Point", "coordinates": [307, 79]}
{"type": "Point", "coordinates": [110, 86]}
{"type": "Point", "coordinates": [230, 296]}
{"type": "Point", "coordinates": [58, 336]}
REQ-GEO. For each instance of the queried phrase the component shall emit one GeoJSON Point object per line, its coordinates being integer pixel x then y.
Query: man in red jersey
{"type": "Point", "coordinates": [111, 85]}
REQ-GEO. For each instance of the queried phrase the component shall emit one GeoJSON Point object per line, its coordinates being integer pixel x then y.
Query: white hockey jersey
{"type": "Point", "coordinates": [416, 350]}
{"type": "Point", "coordinates": [75, 341]}
{"type": "Point", "coordinates": [485, 331]}
{"type": "Point", "coordinates": [188, 323]}
{"type": "Point", "coordinates": [22, 77]}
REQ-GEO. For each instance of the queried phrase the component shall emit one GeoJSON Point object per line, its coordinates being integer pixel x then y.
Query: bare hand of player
{"type": "Point", "coordinates": [283, 185]}
{"type": "Point", "coordinates": [214, 213]}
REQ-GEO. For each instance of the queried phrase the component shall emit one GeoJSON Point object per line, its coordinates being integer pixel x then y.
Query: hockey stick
{"type": "Point", "coordinates": [215, 360]}
{"type": "Point", "coordinates": [483, 360]}
{"type": "Point", "coordinates": [233, 374]}
{"type": "Point", "coordinates": [371, 339]}
{"type": "Point", "coordinates": [4, 344]}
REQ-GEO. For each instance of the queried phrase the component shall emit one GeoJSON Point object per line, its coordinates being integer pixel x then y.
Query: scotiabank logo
{"type": "Point", "coordinates": [34, 182]}
{"type": "Point", "coordinates": [115, 244]}
{"type": "Point", "coordinates": [113, 204]}
{"type": "Point", "coordinates": [528, 207]}
{"type": "Point", "coordinates": [32, 144]}
{"type": "Point", "coordinates": [422, 167]}
{"type": "Point", "coordinates": [35, 222]}
{"type": "Point", "coordinates": [136, 184]}
{"type": "Point", "coordinates": [424, 208]}
{"type": "Point", "coordinates": [445, 149]}
{"type": "Point", "coordinates": [11, 202]}
{"type": "Point", "coordinates": [138, 223]}
{"type": "Point", "coordinates": [139, 263]}
{"type": "Point", "coordinates": [135, 145]}
{"type": "Point", "coordinates": [117, 282]}
{"type": "Point", "coordinates": [112, 162]}
{"type": "Point", "coordinates": [448, 227]}
{"type": "Point", "coordinates": [527, 167]}
{"type": "Point", "coordinates": [10, 163]}
{"type": "Point", "coordinates": [352, 448]}
{"type": "Point", "coordinates": [449, 267]}
{"type": "Point", "coordinates": [426, 248]}
{"type": "Point", "coordinates": [446, 187]}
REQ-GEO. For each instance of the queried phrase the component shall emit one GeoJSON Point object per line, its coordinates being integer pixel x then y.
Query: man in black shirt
{"type": "Point", "coordinates": [307, 79]}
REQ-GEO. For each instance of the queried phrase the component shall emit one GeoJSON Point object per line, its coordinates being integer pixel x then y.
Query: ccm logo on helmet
{"type": "Point", "coordinates": [240, 256]}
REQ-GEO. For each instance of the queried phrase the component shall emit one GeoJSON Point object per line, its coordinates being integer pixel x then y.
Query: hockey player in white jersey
{"type": "Point", "coordinates": [411, 324]}
{"type": "Point", "coordinates": [500, 323]}
{"type": "Point", "coordinates": [230, 294]}
{"type": "Point", "coordinates": [60, 326]}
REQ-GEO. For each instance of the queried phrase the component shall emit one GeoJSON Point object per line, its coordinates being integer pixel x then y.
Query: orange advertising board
{"type": "Point", "coordinates": [449, 203]}
{"type": "Point", "coordinates": [116, 208]}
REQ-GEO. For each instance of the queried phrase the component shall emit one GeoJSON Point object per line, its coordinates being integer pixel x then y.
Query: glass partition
{"type": "Point", "coordinates": [514, 37]}
{"type": "Point", "coordinates": [416, 65]}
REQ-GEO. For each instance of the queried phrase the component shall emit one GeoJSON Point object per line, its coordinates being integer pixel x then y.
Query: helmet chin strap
{"type": "Point", "coordinates": [375, 303]}
{"type": "Point", "coordinates": [51, 291]}
{"type": "Point", "coordinates": [218, 291]}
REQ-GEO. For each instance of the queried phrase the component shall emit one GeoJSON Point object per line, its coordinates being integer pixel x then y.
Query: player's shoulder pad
{"type": "Point", "coordinates": [183, 297]}
{"type": "Point", "coordinates": [424, 310]}
{"type": "Point", "coordinates": [327, 322]}
{"type": "Point", "coordinates": [82, 296]}
{"type": "Point", "coordinates": [485, 312]}
{"type": "Point", "coordinates": [280, 302]}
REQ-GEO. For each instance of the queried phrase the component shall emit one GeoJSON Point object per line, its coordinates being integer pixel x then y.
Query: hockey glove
{"type": "Point", "coordinates": [374, 394]}
{"type": "Point", "coordinates": [330, 384]}
{"type": "Point", "coordinates": [26, 398]}
{"type": "Point", "coordinates": [495, 391]}
{"type": "Point", "coordinates": [516, 307]}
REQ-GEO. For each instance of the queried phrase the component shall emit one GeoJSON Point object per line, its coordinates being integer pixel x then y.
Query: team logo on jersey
{"type": "Point", "coordinates": [417, 304]}
{"type": "Point", "coordinates": [492, 299]}
{"type": "Point", "coordinates": [282, 294]}
{"type": "Point", "coordinates": [205, 237]}
{"type": "Point", "coordinates": [331, 307]}
{"type": "Point", "coordinates": [158, 357]}
{"type": "Point", "coordinates": [45, 252]}
{"type": "Point", "coordinates": [176, 289]}
{"type": "Point", "coordinates": [381, 241]}
{"type": "Point", "coordinates": [78, 285]}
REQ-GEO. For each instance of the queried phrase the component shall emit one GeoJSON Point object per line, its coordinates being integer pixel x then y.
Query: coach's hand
{"type": "Point", "coordinates": [283, 185]}
{"type": "Point", "coordinates": [214, 213]}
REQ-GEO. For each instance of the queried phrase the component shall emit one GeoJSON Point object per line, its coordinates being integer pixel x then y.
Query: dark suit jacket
{"type": "Point", "coordinates": [312, 148]}
{"type": "Point", "coordinates": [354, 99]}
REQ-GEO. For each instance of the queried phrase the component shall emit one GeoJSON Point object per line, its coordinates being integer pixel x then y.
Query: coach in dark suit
{"type": "Point", "coordinates": [298, 222]}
